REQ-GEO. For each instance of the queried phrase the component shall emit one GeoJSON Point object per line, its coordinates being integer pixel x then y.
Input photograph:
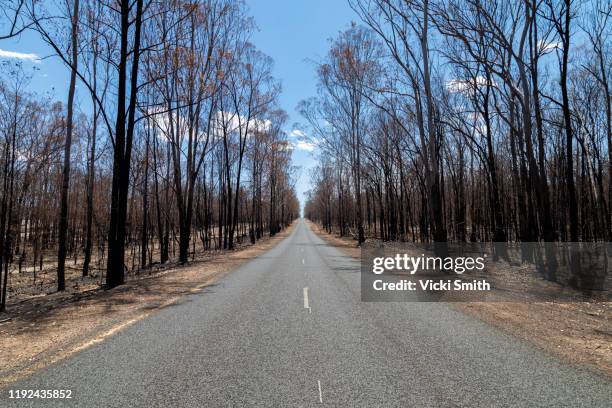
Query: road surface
{"type": "Point", "coordinates": [288, 329]}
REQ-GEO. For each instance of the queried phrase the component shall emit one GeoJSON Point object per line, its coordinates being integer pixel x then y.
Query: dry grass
{"type": "Point", "coordinates": [29, 281]}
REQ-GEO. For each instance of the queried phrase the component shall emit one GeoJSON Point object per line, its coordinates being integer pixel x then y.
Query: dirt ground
{"type": "Point", "coordinates": [39, 329]}
{"type": "Point", "coordinates": [580, 332]}
{"type": "Point", "coordinates": [26, 280]}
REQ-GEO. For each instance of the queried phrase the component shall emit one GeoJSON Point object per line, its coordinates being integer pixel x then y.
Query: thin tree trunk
{"type": "Point", "coordinates": [63, 216]}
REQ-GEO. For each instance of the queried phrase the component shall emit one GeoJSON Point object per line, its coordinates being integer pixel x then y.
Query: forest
{"type": "Point", "coordinates": [466, 121]}
{"type": "Point", "coordinates": [169, 141]}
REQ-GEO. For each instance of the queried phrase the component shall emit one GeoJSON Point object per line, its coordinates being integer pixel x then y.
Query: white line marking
{"type": "Point", "coordinates": [302, 261]}
{"type": "Point", "coordinates": [306, 299]}
{"type": "Point", "coordinates": [320, 394]}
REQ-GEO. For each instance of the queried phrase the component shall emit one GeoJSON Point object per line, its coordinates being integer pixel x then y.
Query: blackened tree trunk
{"type": "Point", "coordinates": [145, 207]}
{"type": "Point", "coordinates": [63, 216]}
{"type": "Point", "coordinates": [563, 28]}
{"type": "Point", "coordinates": [124, 133]}
{"type": "Point", "coordinates": [91, 165]}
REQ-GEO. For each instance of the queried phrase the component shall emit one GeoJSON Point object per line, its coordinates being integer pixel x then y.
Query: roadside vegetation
{"type": "Point", "coordinates": [468, 121]}
{"type": "Point", "coordinates": [168, 144]}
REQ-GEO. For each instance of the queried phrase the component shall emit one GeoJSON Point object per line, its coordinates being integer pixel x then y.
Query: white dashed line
{"type": "Point", "coordinates": [306, 299]}
{"type": "Point", "coordinates": [320, 393]}
{"type": "Point", "coordinates": [303, 261]}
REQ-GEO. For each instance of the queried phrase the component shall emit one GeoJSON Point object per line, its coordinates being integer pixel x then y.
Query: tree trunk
{"type": "Point", "coordinates": [63, 216]}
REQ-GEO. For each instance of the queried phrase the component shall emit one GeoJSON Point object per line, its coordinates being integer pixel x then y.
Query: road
{"type": "Point", "coordinates": [288, 329]}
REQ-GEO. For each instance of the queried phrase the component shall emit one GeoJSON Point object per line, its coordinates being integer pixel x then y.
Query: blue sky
{"type": "Point", "coordinates": [295, 33]}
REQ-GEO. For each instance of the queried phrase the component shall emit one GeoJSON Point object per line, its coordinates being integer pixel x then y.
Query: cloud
{"type": "Point", "coordinates": [297, 133]}
{"type": "Point", "coordinates": [20, 55]}
{"type": "Point", "coordinates": [546, 47]}
{"type": "Point", "coordinates": [304, 145]}
{"type": "Point", "coordinates": [234, 123]}
{"type": "Point", "coordinates": [302, 141]}
{"type": "Point", "coordinates": [461, 85]}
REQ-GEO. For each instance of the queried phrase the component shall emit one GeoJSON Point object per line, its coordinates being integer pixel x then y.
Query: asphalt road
{"type": "Point", "coordinates": [288, 329]}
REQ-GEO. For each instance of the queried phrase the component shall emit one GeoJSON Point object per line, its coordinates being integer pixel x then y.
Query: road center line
{"type": "Point", "coordinates": [306, 299]}
{"type": "Point", "coordinates": [320, 393]}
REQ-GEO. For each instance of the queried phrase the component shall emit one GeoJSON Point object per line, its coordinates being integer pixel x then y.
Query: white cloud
{"type": "Point", "coordinates": [304, 145]}
{"type": "Point", "coordinates": [302, 141]}
{"type": "Point", "coordinates": [20, 55]}
{"type": "Point", "coordinates": [297, 133]}
{"type": "Point", "coordinates": [462, 85]}
{"type": "Point", "coordinates": [546, 47]}
{"type": "Point", "coordinates": [236, 123]}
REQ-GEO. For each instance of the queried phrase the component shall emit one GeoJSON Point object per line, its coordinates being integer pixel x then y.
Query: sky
{"type": "Point", "coordinates": [295, 33]}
